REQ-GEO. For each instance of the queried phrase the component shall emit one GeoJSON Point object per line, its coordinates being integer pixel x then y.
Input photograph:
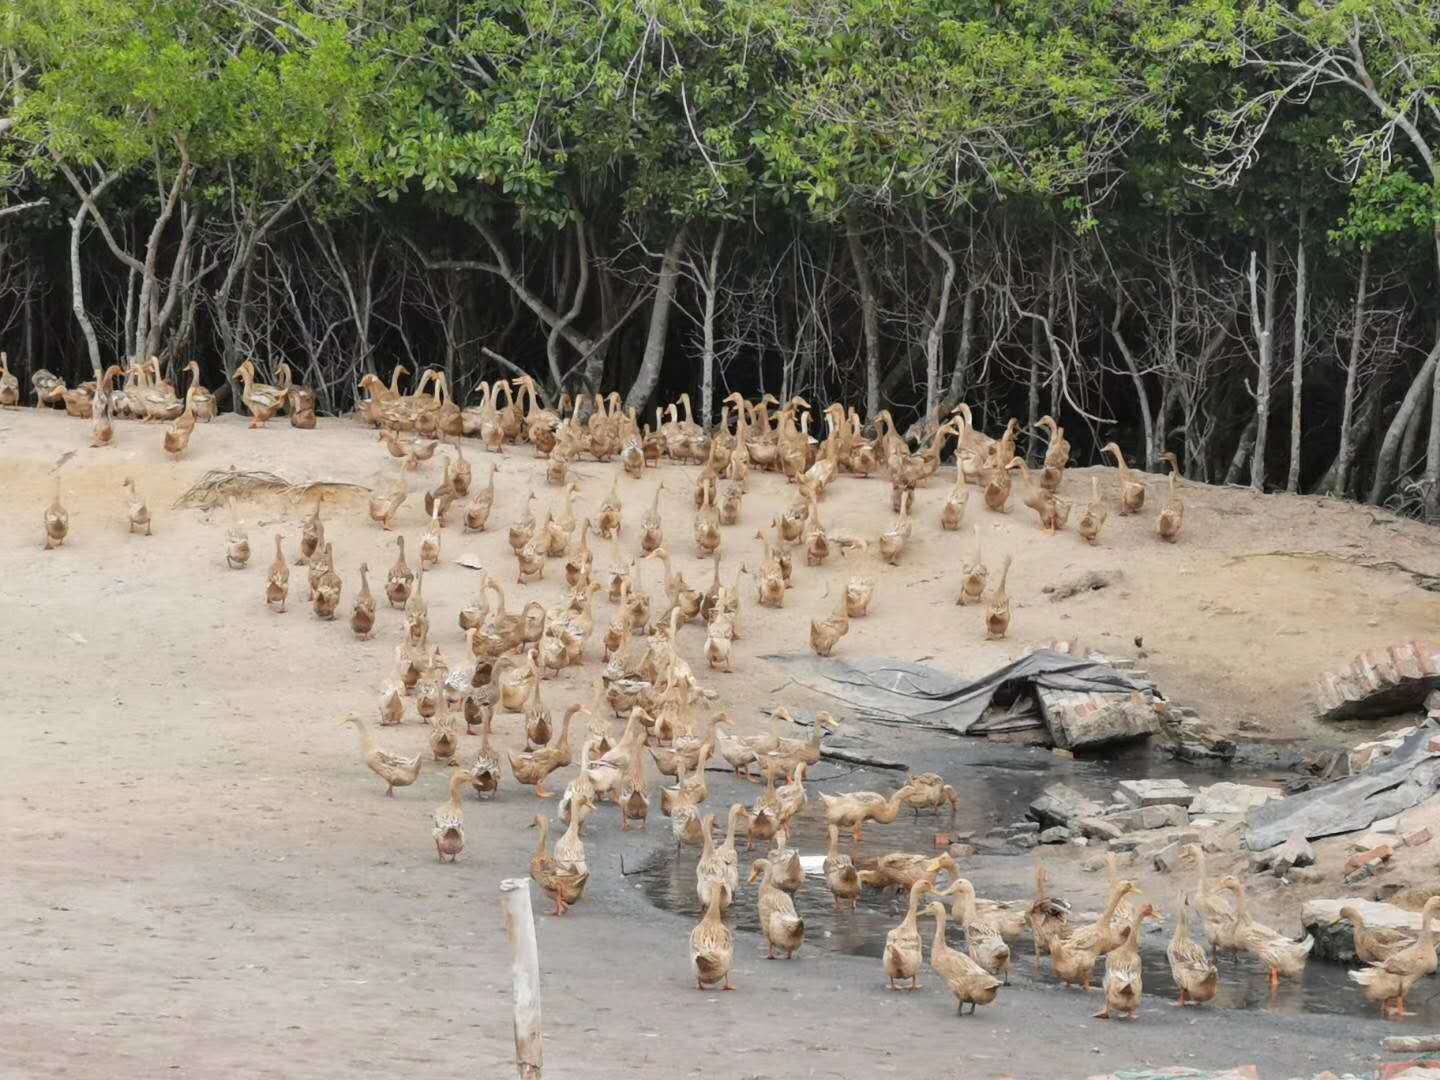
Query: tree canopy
{"type": "Point", "coordinates": [1146, 218]}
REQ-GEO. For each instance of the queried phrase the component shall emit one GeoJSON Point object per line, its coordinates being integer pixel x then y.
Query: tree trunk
{"type": "Point", "coordinates": [1169, 391]}
{"type": "Point", "coordinates": [1242, 451]}
{"type": "Point", "coordinates": [1410, 451]}
{"type": "Point", "coordinates": [1360, 432]}
{"type": "Point", "coordinates": [1432, 453]}
{"type": "Point", "coordinates": [1421, 388]}
{"type": "Point", "coordinates": [1051, 312]}
{"type": "Point", "coordinates": [1147, 454]}
{"type": "Point", "coordinates": [869, 316]}
{"type": "Point", "coordinates": [1263, 327]}
{"type": "Point", "coordinates": [707, 358]}
{"type": "Point", "coordinates": [956, 393]}
{"type": "Point", "coordinates": [1339, 481]}
{"type": "Point", "coordinates": [77, 284]}
{"type": "Point", "coordinates": [145, 341]}
{"type": "Point", "coordinates": [1297, 371]}
{"type": "Point", "coordinates": [28, 333]}
{"type": "Point", "coordinates": [936, 337]}
{"type": "Point", "coordinates": [1032, 397]}
{"type": "Point", "coordinates": [1368, 430]}
{"type": "Point", "coordinates": [667, 278]}
{"type": "Point", "coordinates": [552, 342]}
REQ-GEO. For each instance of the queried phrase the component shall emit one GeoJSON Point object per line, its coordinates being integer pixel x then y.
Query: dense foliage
{"type": "Point", "coordinates": [1211, 227]}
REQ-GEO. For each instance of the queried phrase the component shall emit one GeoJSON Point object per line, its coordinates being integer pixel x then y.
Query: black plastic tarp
{"type": "Point", "coordinates": [904, 692]}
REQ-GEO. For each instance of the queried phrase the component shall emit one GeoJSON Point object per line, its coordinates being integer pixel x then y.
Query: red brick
{"type": "Point", "coordinates": [1415, 839]}
{"type": "Point", "coordinates": [1365, 858]}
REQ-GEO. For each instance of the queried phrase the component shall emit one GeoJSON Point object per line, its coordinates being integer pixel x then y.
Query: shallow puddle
{"type": "Point", "coordinates": [996, 784]}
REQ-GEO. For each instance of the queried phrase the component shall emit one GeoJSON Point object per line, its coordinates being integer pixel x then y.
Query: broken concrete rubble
{"type": "Point", "coordinates": [1166, 859]}
{"type": "Point", "coordinates": [1099, 829]}
{"type": "Point", "coordinates": [1157, 792]}
{"type": "Point", "coordinates": [1080, 720]}
{"type": "Point", "coordinates": [1056, 834]}
{"type": "Point", "coordinates": [1294, 852]}
{"type": "Point", "coordinates": [1228, 798]}
{"type": "Point", "coordinates": [1148, 817]}
{"type": "Point", "coordinates": [1060, 804]}
{"type": "Point", "coordinates": [1189, 738]}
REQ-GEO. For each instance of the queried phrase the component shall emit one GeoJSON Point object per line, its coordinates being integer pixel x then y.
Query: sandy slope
{"type": "Point", "coordinates": [202, 879]}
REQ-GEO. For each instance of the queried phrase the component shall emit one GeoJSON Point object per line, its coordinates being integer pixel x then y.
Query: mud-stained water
{"type": "Point", "coordinates": [996, 785]}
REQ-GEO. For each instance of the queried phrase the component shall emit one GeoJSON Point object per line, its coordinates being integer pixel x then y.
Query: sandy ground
{"type": "Point", "coordinates": [202, 880]}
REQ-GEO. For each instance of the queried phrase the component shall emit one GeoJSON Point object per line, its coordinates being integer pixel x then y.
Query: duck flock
{"type": "Point", "coordinates": [642, 679]}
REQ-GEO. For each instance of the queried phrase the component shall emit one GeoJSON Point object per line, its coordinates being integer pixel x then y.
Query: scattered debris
{"type": "Point", "coordinates": [1382, 682]}
{"type": "Point", "coordinates": [1100, 829]}
{"type": "Point", "coordinates": [217, 485]}
{"type": "Point", "coordinates": [1294, 852]}
{"type": "Point", "coordinates": [1381, 854]}
{"type": "Point", "coordinates": [1167, 858]}
{"type": "Point", "coordinates": [1411, 1044]}
{"type": "Point", "coordinates": [1180, 1072]}
{"type": "Point", "coordinates": [1056, 834]}
{"type": "Point", "coordinates": [1091, 581]}
{"type": "Point", "coordinates": [1191, 739]}
{"type": "Point", "coordinates": [1148, 817]}
{"type": "Point", "coordinates": [1421, 1069]}
{"type": "Point", "coordinates": [1083, 720]}
{"type": "Point", "coordinates": [1060, 804]}
{"type": "Point", "coordinates": [1367, 840]}
{"type": "Point", "coordinates": [1364, 753]}
{"type": "Point", "coordinates": [1157, 792]}
{"type": "Point", "coordinates": [1228, 798]}
{"type": "Point", "coordinates": [1393, 784]}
